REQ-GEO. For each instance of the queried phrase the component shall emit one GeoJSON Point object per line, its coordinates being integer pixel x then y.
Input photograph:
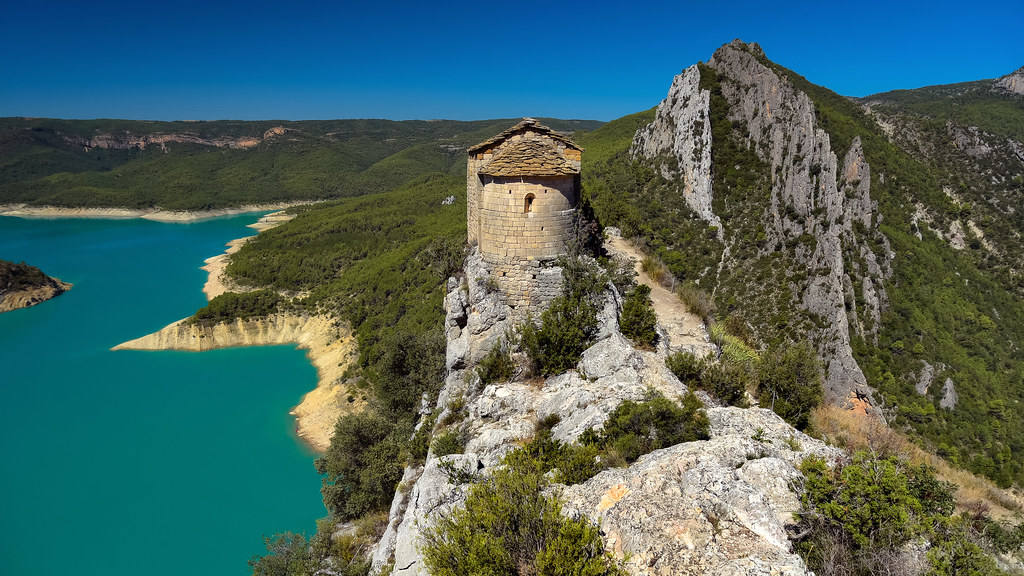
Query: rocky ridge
{"type": "Point", "coordinates": [1013, 82]}
{"type": "Point", "coordinates": [820, 210]}
{"type": "Point", "coordinates": [679, 138]}
{"type": "Point", "coordinates": [127, 140]}
{"type": "Point", "coordinates": [732, 494]}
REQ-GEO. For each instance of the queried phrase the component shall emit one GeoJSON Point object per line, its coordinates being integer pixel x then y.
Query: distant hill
{"type": "Point", "coordinates": [206, 165]}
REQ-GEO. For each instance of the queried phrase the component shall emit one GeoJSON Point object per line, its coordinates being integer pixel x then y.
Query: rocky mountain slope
{"type": "Point", "coordinates": [22, 286]}
{"type": "Point", "coordinates": [714, 506]}
{"type": "Point", "coordinates": [885, 230]}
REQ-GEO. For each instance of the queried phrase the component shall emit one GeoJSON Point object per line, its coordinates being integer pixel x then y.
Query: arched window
{"type": "Point", "coordinates": [528, 203]}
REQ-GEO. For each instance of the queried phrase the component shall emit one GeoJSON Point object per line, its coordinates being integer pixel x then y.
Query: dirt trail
{"type": "Point", "coordinates": [685, 329]}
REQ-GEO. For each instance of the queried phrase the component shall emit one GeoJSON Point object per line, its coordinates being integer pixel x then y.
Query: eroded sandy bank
{"type": "Point", "coordinates": [156, 214]}
{"type": "Point", "coordinates": [32, 296]}
{"type": "Point", "coordinates": [328, 343]}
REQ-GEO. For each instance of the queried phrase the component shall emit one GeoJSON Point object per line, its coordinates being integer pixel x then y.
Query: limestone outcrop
{"type": "Point", "coordinates": [126, 140]}
{"type": "Point", "coordinates": [732, 494]}
{"type": "Point", "coordinates": [819, 211]}
{"type": "Point", "coordinates": [810, 195]}
{"type": "Point", "coordinates": [719, 506]}
{"type": "Point", "coordinates": [682, 131]}
{"type": "Point", "coordinates": [1013, 82]}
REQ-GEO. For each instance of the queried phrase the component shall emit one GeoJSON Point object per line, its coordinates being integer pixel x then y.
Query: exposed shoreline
{"type": "Point", "coordinates": [329, 344]}
{"type": "Point", "coordinates": [155, 214]}
{"type": "Point", "coordinates": [216, 284]}
{"type": "Point", "coordinates": [32, 296]}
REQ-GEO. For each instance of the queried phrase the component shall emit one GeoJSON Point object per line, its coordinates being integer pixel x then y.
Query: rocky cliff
{"type": "Point", "coordinates": [716, 506]}
{"type": "Point", "coordinates": [819, 210]}
{"type": "Point", "coordinates": [679, 139]}
{"type": "Point", "coordinates": [22, 286]}
{"type": "Point", "coordinates": [126, 140]}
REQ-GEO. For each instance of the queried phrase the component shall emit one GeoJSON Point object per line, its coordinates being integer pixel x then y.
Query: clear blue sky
{"type": "Point", "coordinates": [298, 60]}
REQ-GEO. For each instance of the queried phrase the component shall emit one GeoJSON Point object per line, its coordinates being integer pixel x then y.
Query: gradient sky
{"type": "Point", "coordinates": [298, 60]}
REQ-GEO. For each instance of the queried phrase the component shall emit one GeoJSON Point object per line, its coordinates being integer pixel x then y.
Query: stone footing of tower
{"type": "Point", "coordinates": [527, 286]}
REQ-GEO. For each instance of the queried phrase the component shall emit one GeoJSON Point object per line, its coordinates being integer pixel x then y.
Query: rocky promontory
{"type": "Point", "coordinates": [329, 344]}
{"type": "Point", "coordinates": [714, 506]}
{"type": "Point", "coordinates": [22, 286]}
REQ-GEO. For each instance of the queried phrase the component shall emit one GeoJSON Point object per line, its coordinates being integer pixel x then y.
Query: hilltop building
{"type": "Point", "coordinates": [522, 187]}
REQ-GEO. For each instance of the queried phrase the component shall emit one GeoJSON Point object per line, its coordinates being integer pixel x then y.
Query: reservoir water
{"type": "Point", "coordinates": [126, 463]}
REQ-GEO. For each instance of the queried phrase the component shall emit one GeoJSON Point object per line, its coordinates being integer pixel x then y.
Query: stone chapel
{"type": "Point", "coordinates": [522, 187]}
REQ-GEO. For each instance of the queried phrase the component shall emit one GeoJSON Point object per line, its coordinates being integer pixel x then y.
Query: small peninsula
{"type": "Point", "coordinates": [22, 286]}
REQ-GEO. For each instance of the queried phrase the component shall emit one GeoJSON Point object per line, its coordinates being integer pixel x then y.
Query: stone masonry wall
{"type": "Point", "coordinates": [521, 246]}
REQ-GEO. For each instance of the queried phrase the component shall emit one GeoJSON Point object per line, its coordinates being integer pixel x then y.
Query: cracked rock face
{"type": "Point", "coordinates": [718, 506]}
{"type": "Point", "coordinates": [682, 131]}
{"type": "Point", "coordinates": [813, 195]}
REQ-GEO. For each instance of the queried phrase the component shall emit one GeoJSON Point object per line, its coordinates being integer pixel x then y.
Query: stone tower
{"type": "Point", "coordinates": [522, 187]}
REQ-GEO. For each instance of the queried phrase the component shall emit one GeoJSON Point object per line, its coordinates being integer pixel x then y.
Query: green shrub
{"type": "Point", "coordinates": [789, 382]}
{"type": "Point", "coordinates": [363, 464]}
{"type": "Point", "coordinates": [497, 365]}
{"type": "Point", "coordinates": [636, 428]}
{"type": "Point", "coordinates": [509, 526]}
{"type": "Point", "coordinates": [638, 321]}
{"type": "Point", "coordinates": [231, 305]}
{"type": "Point", "coordinates": [420, 443]}
{"type": "Point", "coordinates": [857, 517]}
{"type": "Point", "coordinates": [954, 554]}
{"type": "Point", "coordinates": [726, 381]}
{"type": "Point", "coordinates": [569, 324]}
{"type": "Point", "coordinates": [685, 366]}
{"type": "Point", "coordinates": [448, 442]}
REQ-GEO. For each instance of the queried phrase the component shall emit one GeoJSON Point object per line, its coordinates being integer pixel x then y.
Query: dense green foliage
{"type": "Point", "coordinates": [636, 428]}
{"type": "Point", "coordinates": [789, 382]}
{"type": "Point", "coordinates": [857, 517]}
{"type": "Point", "coordinates": [497, 365]}
{"type": "Point", "coordinates": [291, 554]}
{"type": "Point", "coordinates": [569, 324]}
{"type": "Point", "coordinates": [448, 442]}
{"type": "Point", "coordinates": [363, 464]}
{"type": "Point", "coordinates": [508, 526]}
{"type": "Point", "coordinates": [638, 321]}
{"type": "Point", "coordinates": [45, 161]}
{"type": "Point", "coordinates": [20, 276]}
{"type": "Point", "coordinates": [231, 305]}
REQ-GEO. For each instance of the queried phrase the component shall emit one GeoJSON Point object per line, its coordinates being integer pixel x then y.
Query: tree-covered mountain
{"type": "Point", "coordinates": [204, 165]}
{"type": "Point", "coordinates": [885, 230]}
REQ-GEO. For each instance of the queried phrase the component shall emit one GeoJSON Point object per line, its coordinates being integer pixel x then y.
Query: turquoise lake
{"type": "Point", "coordinates": [127, 463]}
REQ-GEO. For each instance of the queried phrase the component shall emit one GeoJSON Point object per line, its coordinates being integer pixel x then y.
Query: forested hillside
{"type": "Point", "coordinates": [205, 165]}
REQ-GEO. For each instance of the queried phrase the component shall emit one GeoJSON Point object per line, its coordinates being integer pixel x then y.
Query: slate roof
{"type": "Point", "coordinates": [524, 125]}
{"type": "Point", "coordinates": [529, 157]}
